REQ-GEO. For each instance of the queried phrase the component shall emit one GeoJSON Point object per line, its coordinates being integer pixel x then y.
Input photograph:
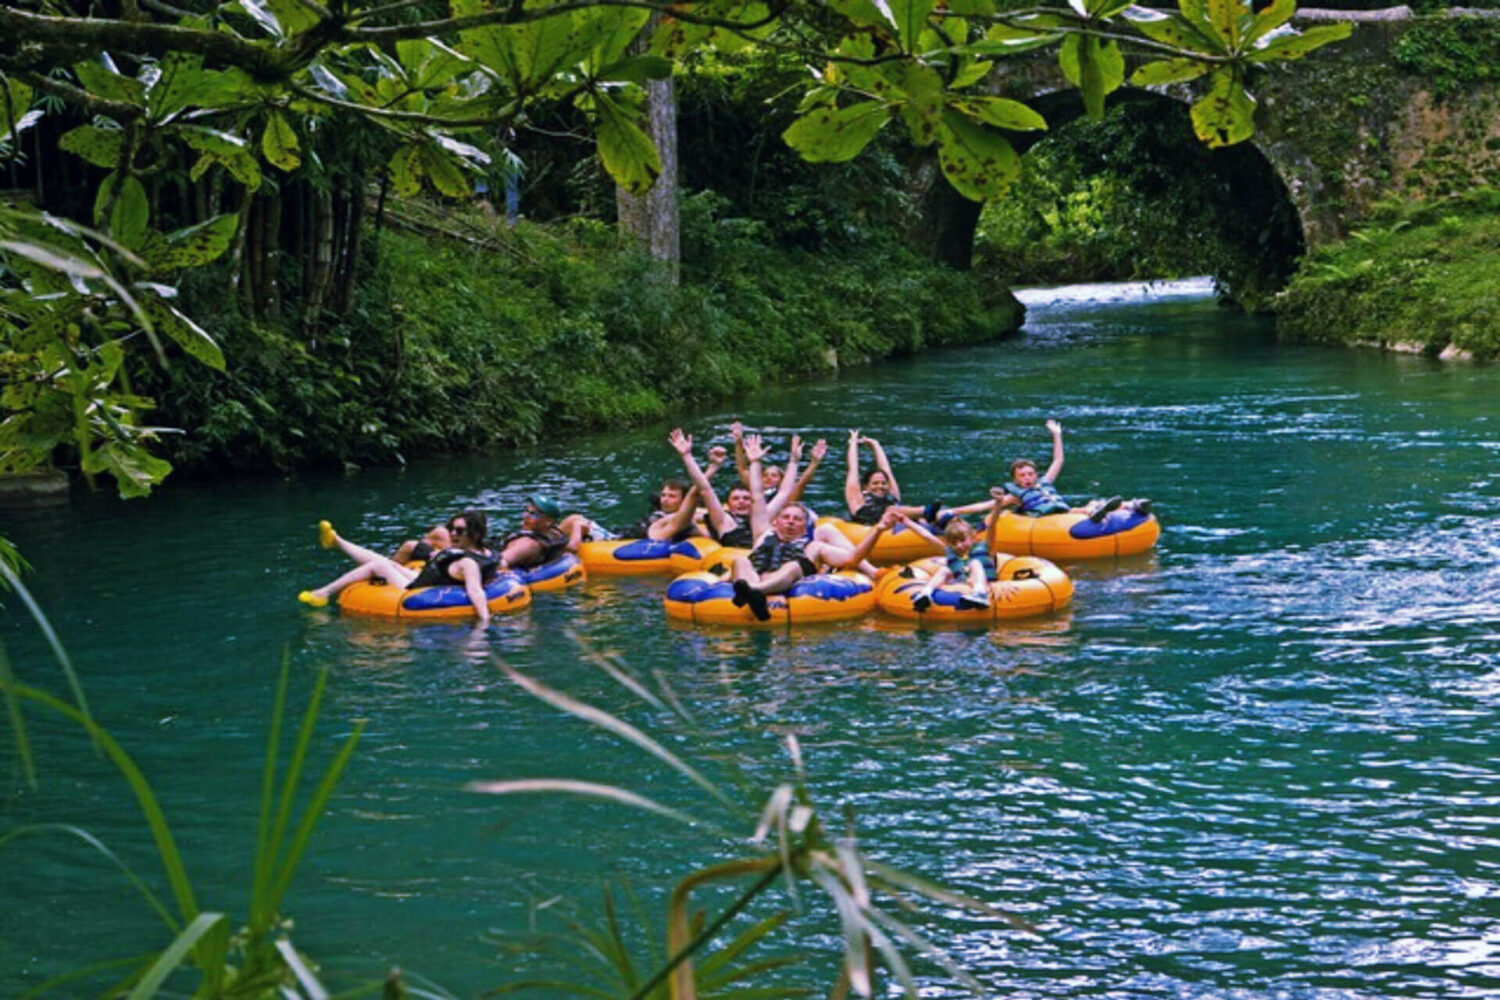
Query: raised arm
{"type": "Point", "coordinates": [1057, 451]}
{"type": "Point", "coordinates": [853, 557]}
{"type": "Point", "coordinates": [853, 495]}
{"type": "Point", "coordinates": [788, 478]}
{"type": "Point", "coordinates": [760, 518]}
{"type": "Point", "coordinates": [741, 463]}
{"type": "Point", "coordinates": [884, 465]}
{"type": "Point", "coordinates": [662, 529]}
{"type": "Point", "coordinates": [683, 444]}
{"type": "Point", "coordinates": [920, 529]}
{"type": "Point", "coordinates": [818, 451]}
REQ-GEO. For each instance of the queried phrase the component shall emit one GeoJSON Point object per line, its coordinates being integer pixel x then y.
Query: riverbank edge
{"type": "Point", "coordinates": [461, 345]}
{"type": "Point", "coordinates": [1420, 278]}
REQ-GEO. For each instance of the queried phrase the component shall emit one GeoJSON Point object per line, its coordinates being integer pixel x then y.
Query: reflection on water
{"type": "Point", "coordinates": [1258, 762]}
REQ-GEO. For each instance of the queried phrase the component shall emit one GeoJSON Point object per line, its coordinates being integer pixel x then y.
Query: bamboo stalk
{"type": "Point", "coordinates": [322, 269]}
{"type": "Point", "coordinates": [254, 222]}
{"type": "Point", "coordinates": [271, 256]}
{"type": "Point", "coordinates": [351, 247]}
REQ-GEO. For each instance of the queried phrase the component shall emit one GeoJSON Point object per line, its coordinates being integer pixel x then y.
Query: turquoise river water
{"type": "Point", "coordinates": [1260, 763]}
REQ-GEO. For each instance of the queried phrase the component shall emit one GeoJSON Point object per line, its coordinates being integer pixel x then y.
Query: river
{"type": "Point", "coordinates": [1259, 763]}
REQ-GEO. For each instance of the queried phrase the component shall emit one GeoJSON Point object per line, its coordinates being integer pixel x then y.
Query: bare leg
{"type": "Point", "coordinates": [781, 579]}
{"type": "Point", "coordinates": [378, 567]}
{"type": "Point", "coordinates": [741, 569]}
{"type": "Point", "coordinates": [922, 599]}
{"type": "Point", "coordinates": [979, 587]}
{"type": "Point", "coordinates": [358, 553]}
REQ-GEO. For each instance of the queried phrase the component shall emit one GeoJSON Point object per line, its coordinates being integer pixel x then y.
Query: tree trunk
{"type": "Point", "coordinates": [350, 263]}
{"type": "Point", "coordinates": [652, 217]}
{"type": "Point", "coordinates": [254, 254]}
{"type": "Point", "coordinates": [945, 221]}
{"type": "Point", "coordinates": [322, 263]}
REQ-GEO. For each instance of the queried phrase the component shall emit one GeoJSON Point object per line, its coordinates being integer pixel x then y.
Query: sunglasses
{"type": "Point", "coordinates": [458, 529]}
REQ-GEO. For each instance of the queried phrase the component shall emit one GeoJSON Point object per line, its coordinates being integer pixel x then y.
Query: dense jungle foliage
{"type": "Point", "coordinates": [1424, 275]}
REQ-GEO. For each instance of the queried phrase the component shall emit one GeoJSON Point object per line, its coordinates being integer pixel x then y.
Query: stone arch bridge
{"type": "Point", "coordinates": [1342, 128]}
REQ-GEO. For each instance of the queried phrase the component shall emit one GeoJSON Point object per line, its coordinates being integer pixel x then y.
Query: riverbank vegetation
{"type": "Point", "coordinates": [467, 333]}
{"type": "Point", "coordinates": [1423, 276]}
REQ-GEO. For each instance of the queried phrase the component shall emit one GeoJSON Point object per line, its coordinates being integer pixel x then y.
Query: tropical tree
{"type": "Point", "coordinates": [189, 115]}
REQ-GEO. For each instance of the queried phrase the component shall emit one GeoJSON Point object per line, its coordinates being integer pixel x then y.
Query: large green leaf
{"type": "Point", "coordinates": [129, 209]}
{"type": "Point", "coordinates": [223, 148]}
{"type": "Point", "coordinates": [970, 73]}
{"type": "Point", "coordinates": [406, 172]}
{"type": "Point", "coordinates": [833, 135]}
{"type": "Point", "coordinates": [979, 162]}
{"type": "Point", "coordinates": [1171, 29]}
{"type": "Point", "coordinates": [627, 152]}
{"type": "Point", "coordinates": [1002, 113]}
{"type": "Point", "coordinates": [191, 246]}
{"type": "Point", "coordinates": [1272, 17]}
{"type": "Point", "coordinates": [672, 38]}
{"type": "Point", "coordinates": [1095, 67]}
{"type": "Point", "coordinates": [281, 17]}
{"type": "Point", "coordinates": [1017, 35]}
{"type": "Point", "coordinates": [188, 335]}
{"type": "Point", "coordinates": [611, 30]}
{"type": "Point", "coordinates": [1224, 17]}
{"type": "Point", "coordinates": [101, 77]}
{"type": "Point", "coordinates": [279, 143]}
{"type": "Point", "coordinates": [1163, 71]}
{"type": "Point", "coordinates": [923, 108]}
{"type": "Point", "coordinates": [429, 64]}
{"type": "Point", "coordinates": [15, 99]}
{"type": "Point", "coordinates": [99, 146]}
{"type": "Point", "coordinates": [863, 13]}
{"type": "Point", "coordinates": [135, 469]}
{"type": "Point", "coordinates": [529, 55]}
{"type": "Point", "coordinates": [444, 172]}
{"type": "Point", "coordinates": [1227, 114]}
{"type": "Point", "coordinates": [909, 17]}
{"type": "Point", "coordinates": [179, 77]}
{"type": "Point", "coordinates": [637, 69]}
{"type": "Point", "coordinates": [1295, 45]}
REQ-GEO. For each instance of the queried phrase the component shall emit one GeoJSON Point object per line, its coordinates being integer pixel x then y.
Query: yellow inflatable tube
{"type": "Point", "coordinates": [506, 594]}
{"type": "Point", "coordinates": [564, 571]}
{"type": "Point", "coordinates": [642, 556]}
{"type": "Point", "coordinates": [1027, 587]}
{"type": "Point", "coordinates": [704, 599]}
{"type": "Point", "coordinates": [1073, 536]}
{"type": "Point", "coordinates": [897, 544]}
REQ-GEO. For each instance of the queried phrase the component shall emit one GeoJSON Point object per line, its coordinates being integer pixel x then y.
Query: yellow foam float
{"type": "Point", "coordinates": [1027, 586]}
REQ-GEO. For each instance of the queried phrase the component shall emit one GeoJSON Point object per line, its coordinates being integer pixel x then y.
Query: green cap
{"type": "Point", "coordinates": [545, 505]}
